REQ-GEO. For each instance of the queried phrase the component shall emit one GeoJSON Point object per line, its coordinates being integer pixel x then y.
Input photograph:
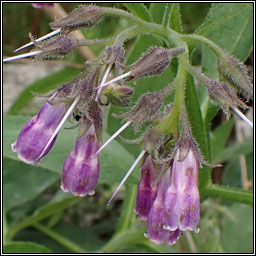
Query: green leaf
{"type": "Point", "coordinates": [78, 234]}
{"type": "Point", "coordinates": [237, 236]}
{"type": "Point", "coordinates": [157, 11]}
{"type": "Point", "coordinates": [195, 116]}
{"type": "Point", "coordinates": [198, 130]}
{"type": "Point", "coordinates": [220, 136]}
{"type": "Point", "coordinates": [232, 173]}
{"type": "Point", "coordinates": [5, 226]}
{"type": "Point", "coordinates": [114, 160]}
{"type": "Point", "coordinates": [60, 202]}
{"type": "Point", "coordinates": [41, 86]}
{"type": "Point", "coordinates": [230, 25]}
{"type": "Point", "coordinates": [175, 18]}
{"type": "Point", "coordinates": [140, 10]}
{"type": "Point", "coordinates": [232, 152]}
{"type": "Point", "coordinates": [23, 182]}
{"type": "Point", "coordinates": [65, 242]}
{"type": "Point", "coordinates": [25, 247]}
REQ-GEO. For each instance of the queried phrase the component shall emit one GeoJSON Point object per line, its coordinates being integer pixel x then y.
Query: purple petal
{"type": "Point", "coordinates": [182, 200]}
{"type": "Point", "coordinates": [190, 213]}
{"type": "Point", "coordinates": [172, 237]}
{"type": "Point", "coordinates": [37, 132]}
{"type": "Point", "coordinates": [155, 231]}
{"type": "Point", "coordinates": [81, 168]}
{"type": "Point", "coordinates": [147, 189]}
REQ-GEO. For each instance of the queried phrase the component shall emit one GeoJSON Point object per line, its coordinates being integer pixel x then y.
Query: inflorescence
{"type": "Point", "coordinates": [168, 197]}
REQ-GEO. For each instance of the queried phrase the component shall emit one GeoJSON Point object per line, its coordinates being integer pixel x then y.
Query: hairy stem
{"type": "Point", "coordinates": [229, 193]}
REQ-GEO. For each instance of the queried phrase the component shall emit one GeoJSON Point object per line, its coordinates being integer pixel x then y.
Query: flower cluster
{"type": "Point", "coordinates": [168, 196]}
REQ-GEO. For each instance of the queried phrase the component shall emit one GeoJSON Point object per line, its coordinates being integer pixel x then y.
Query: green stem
{"type": "Point", "coordinates": [205, 41]}
{"type": "Point", "coordinates": [122, 13]}
{"type": "Point", "coordinates": [73, 247]}
{"type": "Point", "coordinates": [200, 76]}
{"type": "Point", "coordinates": [229, 193]}
{"type": "Point", "coordinates": [88, 42]}
{"type": "Point", "coordinates": [130, 33]}
{"type": "Point", "coordinates": [170, 122]}
{"type": "Point", "coordinates": [125, 238]}
{"type": "Point", "coordinates": [127, 214]}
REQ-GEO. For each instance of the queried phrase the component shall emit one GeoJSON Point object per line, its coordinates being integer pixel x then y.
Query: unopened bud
{"type": "Point", "coordinates": [118, 95]}
{"type": "Point", "coordinates": [153, 62]}
{"type": "Point", "coordinates": [145, 109]}
{"type": "Point", "coordinates": [84, 16]}
{"type": "Point", "coordinates": [224, 95]}
{"type": "Point", "coordinates": [58, 46]}
{"type": "Point", "coordinates": [115, 54]}
{"type": "Point", "coordinates": [234, 72]}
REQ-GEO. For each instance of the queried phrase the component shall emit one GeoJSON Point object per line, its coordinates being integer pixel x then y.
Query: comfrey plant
{"type": "Point", "coordinates": [168, 195]}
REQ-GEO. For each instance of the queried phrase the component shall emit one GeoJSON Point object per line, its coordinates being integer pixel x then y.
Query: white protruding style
{"type": "Point", "coordinates": [242, 116]}
{"type": "Point", "coordinates": [60, 125]}
{"type": "Point", "coordinates": [53, 33]}
{"type": "Point", "coordinates": [127, 175]}
{"type": "Point", "coordinates": [25, 55]}
{"type": "Point", "coordinates": [113, 136]}
{"type": "Point", "coordinates": [115, 79]}
{"type": "Point", "coordinates": [103, 81]}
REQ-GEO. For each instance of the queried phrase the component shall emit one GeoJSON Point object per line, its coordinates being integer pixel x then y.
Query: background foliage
{"type": "Point", "coordinates": [40, 218]}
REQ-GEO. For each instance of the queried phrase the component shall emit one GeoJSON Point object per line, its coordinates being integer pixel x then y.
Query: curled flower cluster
{"type": "Point", "coordinates": [168, 197]}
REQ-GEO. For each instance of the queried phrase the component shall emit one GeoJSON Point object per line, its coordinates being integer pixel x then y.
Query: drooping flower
{"type": "Point", "coordinates": [39, 134]}
{"type": "Point", "coordinates": [33, 138]}
{"type": "Point", "coordinates": [81, 167]}
{"type": "Point", "coordinates": [156, 221]}
{"type": "Point", "coordinates": [182, 199]}
{"type": "Point", "coordinates": [147, 188]}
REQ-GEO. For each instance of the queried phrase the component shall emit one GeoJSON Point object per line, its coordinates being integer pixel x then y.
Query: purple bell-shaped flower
{"type": "Point", "coordinates": [156, 222]}
{"type": "Point", "coordinates": [147, 189]}
{"type": "Point", "coordinates": [182, 200]}
{"type": "Point", "coordinates": [34, 139]}
{"type": "Point", "coordinates": [82, 167]}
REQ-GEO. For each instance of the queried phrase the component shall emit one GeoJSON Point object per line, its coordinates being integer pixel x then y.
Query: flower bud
{"type": "Point", "coordinates": [58, 46]}
{"type": "Point", "coordinates": [35, 135]}
{"type": "Point", "coordinates": [224, 95]}
{"type": "Point", "coordinates": [95, 115]}
{"type": "Point", "coordinates": [153, 62]}
{"type": "Point", "coordinates": [115, 54]}
{"type": "Point", "coordinates": [81, 167]}
{"type": "Point", "coordinates": [182, 203]}
{"type": "Point", "coordinates": [235, 73]}
{"type": "Point", "coordinates": [147, 189]}
{"type": "Point", "coordinates": [84, 16]}
{"type": "Point", "coordinates": [117, 94]}
{"type": "Point", "coordinates": [145, 109]}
